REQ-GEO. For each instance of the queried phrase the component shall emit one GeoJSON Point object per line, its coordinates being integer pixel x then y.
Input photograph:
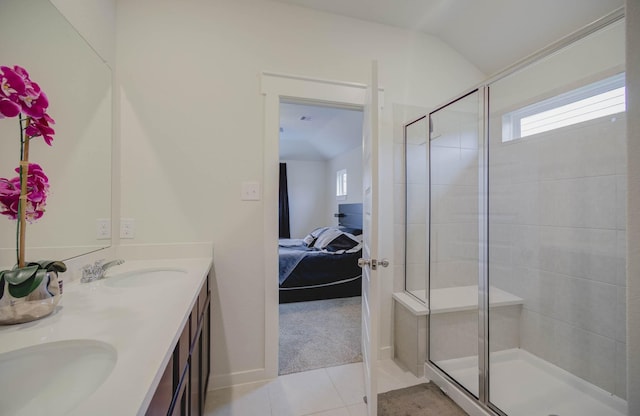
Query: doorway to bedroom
{"type": "Point", "coordinates": [320, 227]}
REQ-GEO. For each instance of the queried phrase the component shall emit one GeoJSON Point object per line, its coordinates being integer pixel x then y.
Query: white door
{"type": "Point", "coordinates": [369, 264]}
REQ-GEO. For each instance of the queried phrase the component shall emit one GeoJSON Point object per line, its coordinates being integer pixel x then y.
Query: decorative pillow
{"type": "Point", "coordinates": [337, 241]}
{"type": "Point", "coordinates": [354, 231]}
{"type": "Point", "coordinates": [311, 238]}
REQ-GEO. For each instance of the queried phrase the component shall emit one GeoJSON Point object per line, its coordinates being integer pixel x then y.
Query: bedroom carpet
{"type": "Point", "coordinates": [319, 334]}
{"type": "Point", "coordinates": [424, 399]}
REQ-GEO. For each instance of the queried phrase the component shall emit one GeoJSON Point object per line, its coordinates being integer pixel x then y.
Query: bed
{"type": "Point", "coordinates": [323, 265]}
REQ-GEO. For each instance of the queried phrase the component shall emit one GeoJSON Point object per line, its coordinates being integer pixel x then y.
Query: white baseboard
{"type": "Point", "coordinates": [220, 381]}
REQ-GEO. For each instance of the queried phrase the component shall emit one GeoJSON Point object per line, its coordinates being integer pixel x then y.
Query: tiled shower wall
{"type": "Point", "coordinates": [454, 245]}
{"type": "Point", "coordinates": [557, 240]}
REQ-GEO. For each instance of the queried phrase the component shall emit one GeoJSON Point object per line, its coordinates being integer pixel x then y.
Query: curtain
{"type": "Point", "coordinates": [285, 231]}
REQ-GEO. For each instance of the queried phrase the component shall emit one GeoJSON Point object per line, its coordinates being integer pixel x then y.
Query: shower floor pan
{"type": "Point", "coordinates": [525, 385]}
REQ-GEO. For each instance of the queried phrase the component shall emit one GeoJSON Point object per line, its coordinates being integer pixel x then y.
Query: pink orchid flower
{"type": "Point", "coordinates": [8, 108]}
{"type": "Point", "coordinates": [19, 94]}
{"type": "Point", "coordinates": [20, 89]}
{"type": "Point", "coordinates": [11, 86]}
{"type": "Point", "coordinates": [37, 191]}
{"type": "Point", "coordinates": [41, 127]}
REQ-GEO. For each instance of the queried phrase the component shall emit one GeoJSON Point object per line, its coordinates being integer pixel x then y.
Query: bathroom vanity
{"type": "Point", "coordinates": [136, 342]}
{"type": "Point", "coordinates": [183, 387]}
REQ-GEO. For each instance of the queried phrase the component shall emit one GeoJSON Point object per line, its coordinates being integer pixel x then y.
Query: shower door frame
{"type": "Point", "coordinates": [472, 405]}
{"type": "Point", "coordinates": [481, 406]}
{"type": "Point", "coordinates": [406, 208]}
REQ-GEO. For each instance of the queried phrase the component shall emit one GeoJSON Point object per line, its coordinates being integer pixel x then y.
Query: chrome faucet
{"type": "Point", "coordinates": [96, 271]}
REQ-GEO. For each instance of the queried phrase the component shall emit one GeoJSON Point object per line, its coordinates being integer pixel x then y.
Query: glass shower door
{"type": "Point", "coordinates": [557, 190]}
{"type": "Point", "coordinates": [455, 153]}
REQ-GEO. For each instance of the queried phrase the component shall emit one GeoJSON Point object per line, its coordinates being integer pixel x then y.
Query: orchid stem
{"type": "Point", "coordinates": [22, 202]}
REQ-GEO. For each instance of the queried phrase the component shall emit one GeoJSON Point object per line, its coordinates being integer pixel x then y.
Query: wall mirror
{"type": "Point", "coordinates": [78, 84]}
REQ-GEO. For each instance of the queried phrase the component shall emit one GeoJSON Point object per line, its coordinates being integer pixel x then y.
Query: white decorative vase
{"type": "Point", "coordinates": [36, 305]}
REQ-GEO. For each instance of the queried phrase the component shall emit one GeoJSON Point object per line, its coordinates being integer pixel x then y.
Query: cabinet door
{"type": "Point", "coordinates": [196, 371]}
{"type": "Point", "coordinates": [182, 349]}
{"type": "Point", "coordinates": [202, 299]}
{"type": "Point", "coordinates": [206, 351]}
{"type": "Point", "coordinates": [161, 401]}
{"type": "Point", "coordinates": [180, 405]}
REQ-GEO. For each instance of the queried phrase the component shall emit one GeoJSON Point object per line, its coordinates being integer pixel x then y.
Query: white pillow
{"type": "Point", "coordinates": [311, 238]}
{"type": "Point", "coordinates": [336, 241]}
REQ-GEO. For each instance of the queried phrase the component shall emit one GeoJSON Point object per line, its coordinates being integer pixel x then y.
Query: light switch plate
{"type": "Point", "coordinates": [250, 191]}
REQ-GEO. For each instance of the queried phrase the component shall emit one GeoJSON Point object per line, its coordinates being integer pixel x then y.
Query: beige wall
{"type": "Point", "coordinates": [419, 71]}
{"type": "Point", "coordinates": [307, 189]}
{"type": "Point", "coordinates": [192, 130]}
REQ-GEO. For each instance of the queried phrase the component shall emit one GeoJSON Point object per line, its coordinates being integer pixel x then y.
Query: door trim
{"type": "Point", "coordinates": [276, 87]}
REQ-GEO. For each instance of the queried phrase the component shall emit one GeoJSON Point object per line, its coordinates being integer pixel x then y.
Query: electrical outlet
{"type": "Point", "coordinates": [103, 228]}
{"type": "Point", "coordinates": [127, 228]}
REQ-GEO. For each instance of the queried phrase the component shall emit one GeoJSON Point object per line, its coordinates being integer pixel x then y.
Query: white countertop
{"type": "Point", "coordinates": [141, 322]}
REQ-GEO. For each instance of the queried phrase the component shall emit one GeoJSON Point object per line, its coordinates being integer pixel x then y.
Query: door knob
{"type": "Point", "coordinates": [383, 263]}
{"type": "Point", "coordinates": [363, 262]}
{"type": "Point", "coordinates": [373, 263]}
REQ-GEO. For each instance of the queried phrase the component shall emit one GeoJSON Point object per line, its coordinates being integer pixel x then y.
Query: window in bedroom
{"type": "Point", "coordinates": [599, 99]}
{"type": "Point", "coordinates": [341, 184]}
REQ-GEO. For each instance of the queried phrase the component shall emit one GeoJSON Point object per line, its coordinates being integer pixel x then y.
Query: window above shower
{"type": "Point", "coordinates": [602, 98]}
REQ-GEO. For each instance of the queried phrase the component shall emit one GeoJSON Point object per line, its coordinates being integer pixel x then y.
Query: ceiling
{"type": "Point", "coordinates": [314, 132]}
{"type": "Point", "coordinates": [491, 34]}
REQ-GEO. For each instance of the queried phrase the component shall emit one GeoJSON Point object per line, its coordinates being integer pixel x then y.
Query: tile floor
{"type": "Point", "coordinates": [333, 391]}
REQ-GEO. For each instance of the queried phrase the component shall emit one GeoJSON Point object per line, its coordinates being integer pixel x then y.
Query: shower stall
{"type": "Point", "coordinates": [516, 231]}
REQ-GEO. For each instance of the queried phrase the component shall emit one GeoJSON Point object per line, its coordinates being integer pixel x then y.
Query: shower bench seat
{"type": "Point", "coordinates": [453, 299]}
{"type": "Point", "coordinates": [456, 305]}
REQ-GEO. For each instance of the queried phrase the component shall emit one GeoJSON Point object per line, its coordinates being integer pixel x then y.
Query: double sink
{"type": "Point", "coordinates": [54, 378]}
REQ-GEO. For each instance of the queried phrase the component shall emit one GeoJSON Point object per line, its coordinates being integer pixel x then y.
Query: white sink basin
{"type": "Point", "coordinates": [144, 277]}
{"type": "Point", "coordinates": [53, 378]}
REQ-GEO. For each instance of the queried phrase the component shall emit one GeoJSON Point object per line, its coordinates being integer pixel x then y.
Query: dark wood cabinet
{"type": "Point", "coordinates": [180, 404]}
{"type": "Point", "coordinates": [195, 382]}
{"type": "Point", "coordinates": [206, 348]}
{"type": "Point", "coordinates": [163, 396]}
{"type": "Point", "coordinates": [183, 388]}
